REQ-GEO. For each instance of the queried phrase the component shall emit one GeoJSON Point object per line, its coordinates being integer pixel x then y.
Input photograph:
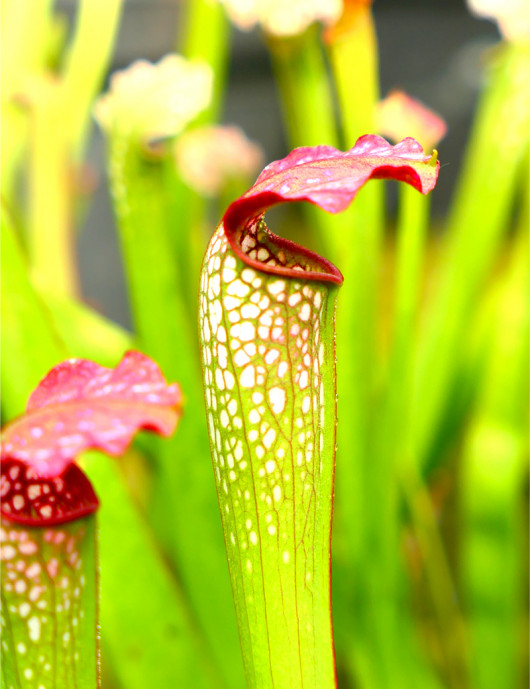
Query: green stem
{"type": "Point", "coordinates": [86, 65]}
{"type": "Point", "coordinates": [412, 226]}
{"type": "Point", "coordinates": [189, 232]}
{"type": "Point", "coordinates": [307, 106]}
{"type": "Point", "coordinates": [353, 55]}
{"type": "Point", "coordinates": [30, 345]}
{"type": "Point", "coordinates": [352, 52]}
{"type": "Point", "coordinates": [140, 596]}
{"type": "Point", "coordinates": [60, 114]}
{"type": "Point", "coordinates": [303, 82]}
{"type": "Point", "coordinates": [366, 519]}
{"type": "Point", "coordinates": [477, 224]}
{"type": "Point", "coordinates": [141, 202]}
{"type": "Point", "coordinates": [494, 466]}
{"type": "Point", "coordinates": [25, 30]}
{"type": "Point", "coordinates": [439, 578]}
{"type": "Point", "coordinates": [205, 37]}
{"type": "Point", "coordinates": [183, 487]}
{"type": "Point", "coordinates": [51, 240]}
{"type": "Point", "coordinates": [385, 573]}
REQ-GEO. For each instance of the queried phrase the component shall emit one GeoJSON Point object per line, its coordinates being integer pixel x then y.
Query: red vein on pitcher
{"type": "Point", "coordinates": [267, 311]}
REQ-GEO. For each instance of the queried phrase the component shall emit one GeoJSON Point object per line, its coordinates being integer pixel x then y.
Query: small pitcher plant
{"type": "Point", "coordinates": [48, 527]}
{"type": "Point", "coordinates": [267, 323]}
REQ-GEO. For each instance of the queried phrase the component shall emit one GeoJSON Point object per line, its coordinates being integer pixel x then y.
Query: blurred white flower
{"type": "Point", "coordinates": [399, 115]}
{"type": "Point", "coordinates": [209, 157]}
{"type": "Point", "coordinates": [512, 16]}
{"type": "Point", "coordinates": [154, 101]}
{"type": "Point", "coordinates": [282, 18]}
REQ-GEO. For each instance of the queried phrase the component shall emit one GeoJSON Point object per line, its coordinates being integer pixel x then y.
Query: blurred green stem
{"type": "Point", "coordinates": [59, 111]}
{"type": "Point", "coordinates": [184, 484]}
{"type": "Point", "coordinates": [205, 37]}
{"type": "Point", "coordinates": [439, 578]}
{"type": "Point", "coordinates": [86, 66]}
{"type": "Point", "coordinates": [188, 231]}
{"type": "Point", "coordinates": [494, 470]}
{"type": "Point", "coordinates": [355, 244]}
{"type": "Point", "coordinates": [353, 55]}
{"type": "Point", "coordinates": [307, 106]}
{"type": "Point", "coordinates": [138, 593]}
{"type": "Point", "coordinates": [51, 185]}
{"type": "Point", "coordinates": [306, 97]}
{"type": "Point", "coordinates": [411, 231]}
{"type": "Point", "coordinates": [25, 29]}
{"type": "Point", "coordinates": [141, 202]}
{"type": "Point", "coordinates": [367, 515]}
{"type": "Point", "coordinates": [30, 345]}
{"type": "Point", "coordinates": [477, 224]}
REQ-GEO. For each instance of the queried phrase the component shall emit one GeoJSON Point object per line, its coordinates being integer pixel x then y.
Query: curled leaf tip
{"type": "Point", "coordinates": [81, 405]}
{"type": "Point", "coordinates": [327, 178]}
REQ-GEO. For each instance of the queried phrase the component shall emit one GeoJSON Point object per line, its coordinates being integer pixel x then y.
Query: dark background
{"type": "Point", "coordinates": [433, 49]}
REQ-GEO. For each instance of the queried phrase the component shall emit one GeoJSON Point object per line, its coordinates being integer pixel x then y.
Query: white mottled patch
{"type": "Point", "coordinates": [247, 377]}
{"type": "Point", "coordinates": [277, 399]}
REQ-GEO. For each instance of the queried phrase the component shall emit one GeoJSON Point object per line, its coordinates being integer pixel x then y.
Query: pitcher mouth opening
{"type": "Point", "coordinates": [258, 247]}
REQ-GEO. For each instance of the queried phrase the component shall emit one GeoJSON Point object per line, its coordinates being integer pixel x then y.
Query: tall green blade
{"type": "Point", "coordinates": [183, 484]}
{"type": "Point", "coordinates": [30, 344]}
{"type": "Point", "coordinates": [477, 225]}
{"type": "Point", "coordinates": [494, 466]}
{"type": "Point", "coordinates": [148, 631]}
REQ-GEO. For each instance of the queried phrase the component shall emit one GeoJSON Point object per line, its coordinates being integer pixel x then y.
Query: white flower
{"type": "Point", "coordinates": [208, 157]}
{"type": "Point", "coordinates": [282, 17]}
{"type": "Point", "coordinates": [512, 16]}
{"type": "Point", "coordinates": [154, 101]}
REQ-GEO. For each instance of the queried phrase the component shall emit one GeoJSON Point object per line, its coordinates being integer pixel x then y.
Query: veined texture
{"type": "Point", "coordinates": [268, 356]}
{"type": "Point", "coordinates": [267, 310]}
{"type": "Point", "coordinates": [49, 601]}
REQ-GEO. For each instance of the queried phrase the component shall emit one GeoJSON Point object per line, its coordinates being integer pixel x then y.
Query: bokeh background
{"type": "Point", "coordinates": [432, 49]}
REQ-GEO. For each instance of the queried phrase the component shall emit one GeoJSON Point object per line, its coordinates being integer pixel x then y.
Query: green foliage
{"type": "Point", "coordinates": [428, 541]}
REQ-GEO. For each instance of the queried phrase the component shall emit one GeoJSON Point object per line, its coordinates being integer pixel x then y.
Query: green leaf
{"type": "Point", "coordinates": [86, 332]}
{"type": "Point", "coordinates": [183, 484]}
{"type": "Point", "coordinates": [494, 472]}
{"type": "Point", "coordinates": [148, 629]}
{"type": "Point", "coordinates": [478, 222]}
{"type": "Point", "coordinates": [30, 344]}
